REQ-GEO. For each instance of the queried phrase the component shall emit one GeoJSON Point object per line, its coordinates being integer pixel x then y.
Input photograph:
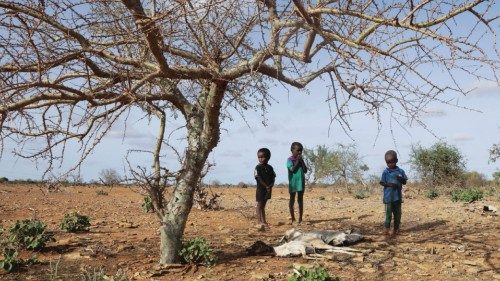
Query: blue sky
{"type": "Point", "coordinates": [304, 117]}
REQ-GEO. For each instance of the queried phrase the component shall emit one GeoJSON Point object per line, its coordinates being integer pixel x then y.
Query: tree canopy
{"type": "Point", "coordinates": [70, 70]}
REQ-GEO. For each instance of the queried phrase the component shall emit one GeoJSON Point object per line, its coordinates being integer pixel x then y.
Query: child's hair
{"type": "Point", "coordinates": [391, 153]}
{"type": "Point", "coordinates": [266, 152]}
{"type": "Point", "coordinates": [296, 144]}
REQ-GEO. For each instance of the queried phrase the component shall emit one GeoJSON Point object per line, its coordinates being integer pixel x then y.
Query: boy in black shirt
{"type": "Point", "coordinates": [264, 175]}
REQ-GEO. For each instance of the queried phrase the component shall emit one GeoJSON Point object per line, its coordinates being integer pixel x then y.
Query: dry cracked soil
{"type": "Point", "coordinates": [440, 239]}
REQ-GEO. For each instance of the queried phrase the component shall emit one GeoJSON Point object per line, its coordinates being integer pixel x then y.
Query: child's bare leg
{"type": "Point", "coordinates": [259, 213]}
{"type": "Point", "coordinates": [290, 206]}
{"type": "Point", "coordinates": [300, 200]}
{"type": "Point", "coordinates": [263, 213]}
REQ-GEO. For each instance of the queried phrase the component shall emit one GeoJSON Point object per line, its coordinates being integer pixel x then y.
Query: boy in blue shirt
{"type": "Point", "coordinates": [393, 179]}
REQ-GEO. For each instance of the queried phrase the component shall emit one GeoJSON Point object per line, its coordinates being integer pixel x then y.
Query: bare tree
{"type": "Point", "coordinates": [69, 70]}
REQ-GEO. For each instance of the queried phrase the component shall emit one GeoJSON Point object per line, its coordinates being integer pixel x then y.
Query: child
{"type": "Point", "coordinates": [264, 175]}
{"type": "Point", "coordinates": [296, 180]}
{"type": "Point", "coordinates": [392, 180]}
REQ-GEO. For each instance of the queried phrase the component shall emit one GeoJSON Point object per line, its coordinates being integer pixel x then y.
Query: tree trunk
{"type": "Point", "coordinates": [203, 135]}
{"type": "Point", "coordinates": [175, 218]}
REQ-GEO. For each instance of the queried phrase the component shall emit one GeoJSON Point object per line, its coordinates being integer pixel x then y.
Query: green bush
{"type": "Point", "coordinates": [467, 195]}
{"type": "Point", "coordinates": [10, 261]}
{"type": "Point", "coordinates": [314, 274]}
{"type": "Point", "coordinates": [147, 205]}
{"type": "Point", "coordinates": [361, 194]}
{"type": "Point", "coordinates": [30, 234]}
{"type": "Point", "coordinates": [432, 194]}
{"type": "Point", "coordinates": [4, 180]}
{"type": "Point", "coordinates": [74, 222]}
{"type": "Point", "coordinates": [438, 165]}
{"type": "Point", "coordinates": [197, 251]}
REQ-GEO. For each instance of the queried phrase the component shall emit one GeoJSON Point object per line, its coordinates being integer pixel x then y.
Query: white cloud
{"type": "Point", "coordinates": [461, 137]}
{"type": "Point", "coordinates": [485, 88]}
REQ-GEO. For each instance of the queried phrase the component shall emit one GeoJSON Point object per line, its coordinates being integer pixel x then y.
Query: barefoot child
{"type": "Point", "coordinates": [264, 175]}
{"type": "Point", "coordinates": [296, 179]}
{"type": "Point", "coordinates": [392, 180]}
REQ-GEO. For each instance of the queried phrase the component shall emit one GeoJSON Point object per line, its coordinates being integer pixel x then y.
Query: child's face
{"type": "Point", "coordinates": [262, 157]}
{"type": "Point", "coordinates": [391, 161]}
{"type": "Point", "coordinates": [296, 151]}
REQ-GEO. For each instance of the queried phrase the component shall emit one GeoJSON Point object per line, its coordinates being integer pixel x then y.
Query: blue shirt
{"type": "Point", "coordinates": [393, 194]}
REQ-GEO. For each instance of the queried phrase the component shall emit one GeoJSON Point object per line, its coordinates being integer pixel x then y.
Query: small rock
{"type": "Point", "coordinates": [304, 265]}
{"type": "Point", "coordinates": [124, 247]}
{"type": "Point", "coordinates": [259, 276]}
{"type": "Point", "coordinates": [469, 262]}
{"type": "Point", "coordinates": [367, 270]}
{"type": "Point", "coordinates": [358, 259]}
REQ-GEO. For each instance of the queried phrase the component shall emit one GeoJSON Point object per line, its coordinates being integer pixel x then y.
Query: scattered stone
{"type": "Point", "coordinates": [75, 256]}
{"type": "Point", "coordinates": [358, 259]}
{"type": "Point", "coordinates": [469, 262]}
{"type": "Point", "coordinates": [259, 276]}
{"type": "Point", "coordinates": [127, 224]}
{"type": "Point", "coordinates": [124, 247]}
{"type": "Point", "coordinates": [367, 270]}
{"type": "Point", "coordinates": [297, 266]}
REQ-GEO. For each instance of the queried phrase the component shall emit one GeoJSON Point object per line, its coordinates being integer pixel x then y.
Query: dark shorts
{"type": "Point", "coordinates": [261, 194]}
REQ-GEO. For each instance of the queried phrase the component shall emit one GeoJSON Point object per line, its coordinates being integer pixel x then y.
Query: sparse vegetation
{"type": "Point", "coordinates": [101, 192]}
{"type": "Point", "coordinates": [439, 165]}
{"type": "Point", "coordinates": [432, 194]}
{"type": "Point", "coordinates": [98, 274]}
{"type": "Point", "coordinates": [109, 177]}
{"type": "Point", "coordinates": [467, 195]}
{"type": "Point", "coordinates": [361, 194]}
{"type": "Point", "coordinates": [197, 251]}
{"type": "Point", "coordinates": [205, 199]}
{"type": "Point", "coordinates": [10, 261]}
{"type": "Point", "coordinates": [147, 205]}
{"type": "Point", "coordinates": [340, 164]}
{"type": "Point", "coordinates": [30, 234]}
{"type": "Point", "coordinates": [74, 222]}
{"type": "Point", "coordinates": [313, 274]}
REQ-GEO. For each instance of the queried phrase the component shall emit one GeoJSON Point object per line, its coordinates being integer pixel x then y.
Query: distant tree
{"type": "Point", "coordinates": [340, 164]}
{"type": "Point", "coordinates": [439, 165]}
{"type": "Point", "coordinates": [495, 152]}
{"type": "Point", "coordinates": [109, 177]}
{"type": "Point", "coordinates": [496, 176]}
{"type": "Point", "coordinates": [70, 70]}
{"type": "Point", "coordinates": [474, 179]}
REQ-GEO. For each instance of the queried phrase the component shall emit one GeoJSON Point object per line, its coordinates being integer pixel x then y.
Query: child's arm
{"type": "Point", "coordinates": [304, 167]}
{"type": "Point", "coordinates": [402, 178]}
{"type": "Point", "coordinates": [263, 183]}
{"type": "Point", "coordinates": [383, 181]}
{"type": "Point", "coordinates": [273, 178]}
{"type": "Point", "coordinates": [295, 167]}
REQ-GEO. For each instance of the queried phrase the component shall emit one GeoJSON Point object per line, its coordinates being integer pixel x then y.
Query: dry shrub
{"type": "Point", "coordinates": [205, 199]}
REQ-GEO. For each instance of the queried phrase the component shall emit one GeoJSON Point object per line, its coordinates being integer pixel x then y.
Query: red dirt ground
{"type": "Point", "coordinates": [440, 239]}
